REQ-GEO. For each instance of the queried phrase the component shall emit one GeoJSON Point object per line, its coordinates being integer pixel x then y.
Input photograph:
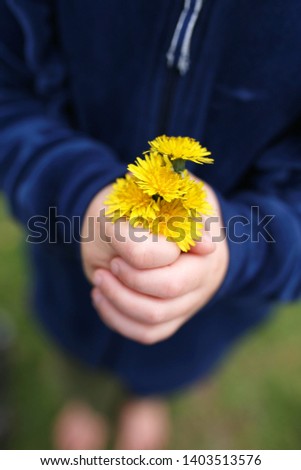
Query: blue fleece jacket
{"type": "Point", "coordinates": [85, 84]}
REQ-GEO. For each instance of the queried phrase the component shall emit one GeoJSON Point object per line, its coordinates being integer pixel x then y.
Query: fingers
{"type": "Point", "coordinates": [141, 249]}
{"type": "Point", "coordinates": [143, 308]}
{"type": "Point", "coordinates": [143, 333]}
{"type": "Point", "coordinates": [136, 246]}
{"type": "Point", "coordinates": [168, 282]}
{"type": "Point", "coordinates": [205, 246]}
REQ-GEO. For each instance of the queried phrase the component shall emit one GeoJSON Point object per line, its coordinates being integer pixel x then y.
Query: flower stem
{"type": "Point", "coordinates": [178, 165]}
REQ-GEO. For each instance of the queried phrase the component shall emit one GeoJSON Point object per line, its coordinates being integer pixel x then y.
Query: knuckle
{"type": "Point", "coordinates": [172, 288]}
{"type": "Point", "coordinates": [139, 256]}
{"type": "Point", "coordinates": [155, 316]}
{"type": "Point", "coordinates": [151, 336]}
{"type": "Point", "coordinates": [107, 289]}
{"type": "Point", "coordinates": [132, 281]}
{"type": "Point", "coordinates": [133, 255]}
{"type": "Point", "coordinates": [148, 338]}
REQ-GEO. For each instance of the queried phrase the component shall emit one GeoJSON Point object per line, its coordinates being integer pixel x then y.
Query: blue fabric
{"type": "Point", "coordinates": [84, 86]}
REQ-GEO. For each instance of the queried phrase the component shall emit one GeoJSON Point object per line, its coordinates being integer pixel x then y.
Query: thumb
{"type": "Point", "coordinates": [205, 246]}
{"type": "Point", "coordinates": [142, 249]}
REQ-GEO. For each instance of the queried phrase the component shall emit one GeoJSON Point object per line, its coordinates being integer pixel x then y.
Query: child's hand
{"type": "Point", "coordinates": [102, 241]}
{"type": "Point", "coordinates": [149, 304]}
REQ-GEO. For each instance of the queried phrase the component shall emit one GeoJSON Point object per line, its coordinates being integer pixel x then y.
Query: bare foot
{"type": "Point", "coordinates": [79, 427]}
{"type": "Point", "coordinates": [143, 424]}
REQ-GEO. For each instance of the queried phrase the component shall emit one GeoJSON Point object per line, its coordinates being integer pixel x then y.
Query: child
{"type": "Point", "coordinates": [83, 87]}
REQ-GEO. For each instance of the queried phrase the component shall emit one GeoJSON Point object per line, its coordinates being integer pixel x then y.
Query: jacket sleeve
{"type": "Point", "coordinates": [43, 161]}
{"type": "Point", "coordinates": [263, 224]}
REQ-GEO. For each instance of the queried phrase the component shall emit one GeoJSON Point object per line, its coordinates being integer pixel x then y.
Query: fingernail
{"type": "Point", "coordinates": [98, 279]}
{"type": "Point", "coordinates": [114, 267]}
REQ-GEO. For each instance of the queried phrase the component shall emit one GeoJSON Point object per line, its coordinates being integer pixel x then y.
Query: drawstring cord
{"type": "Point", "coordinates": [174, 42]}
{"type": "Point", "coordinates": [184, 57]}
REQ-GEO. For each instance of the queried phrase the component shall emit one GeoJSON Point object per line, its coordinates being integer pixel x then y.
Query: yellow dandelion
{"type": "Point", "coordinates": [194, 196]}
{"type": "Point", "coordinates": [175, 222]}
{"type": "Point", "coordinates": [185, 148]}
{"type": "Point", "coordinates": [128, 200]}
{"type": "Point", "coordinates": [156, 177]}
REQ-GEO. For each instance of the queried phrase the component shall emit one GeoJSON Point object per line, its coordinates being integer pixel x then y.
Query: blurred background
{"type": "Point", "coordinates": [253, 401]}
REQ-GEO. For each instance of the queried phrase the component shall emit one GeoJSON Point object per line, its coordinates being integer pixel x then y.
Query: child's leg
{"type": "Point", "coordinates": [87, 399]}
{"type": "Point", "coordinates": [143, 424]}
{"type": "Point", "coordinates": [78, 426]}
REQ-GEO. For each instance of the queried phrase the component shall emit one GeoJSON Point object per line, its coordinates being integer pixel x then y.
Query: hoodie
{"type": "Point", "coordinates": [83, 87]}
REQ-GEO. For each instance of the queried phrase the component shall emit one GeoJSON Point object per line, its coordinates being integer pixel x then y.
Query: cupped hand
{"type": "Point", "coordinates": [146, 291]}
{"type": "Point", "coordinates": [102, 241]}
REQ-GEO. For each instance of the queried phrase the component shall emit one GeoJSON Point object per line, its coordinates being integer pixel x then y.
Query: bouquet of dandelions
{"type": "Point", "coordinates": [159, 193]}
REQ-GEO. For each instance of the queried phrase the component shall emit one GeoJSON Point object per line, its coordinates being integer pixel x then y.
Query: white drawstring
{"type": "Point", "coordinates": [184, 58]}
{"type": "Point", "coordinates": [174, 42]}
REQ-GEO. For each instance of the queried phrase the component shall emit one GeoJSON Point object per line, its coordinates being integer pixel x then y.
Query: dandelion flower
{"type": "Point", "coordinates": [156, 177]}
{"type": "Point", "coordinates": [174, 221]}
{"type": "Point", "coordinates": [128, 200]}
{"type": "Point", "coordinates": [185, 148]}
{"type": "Point", "coordinates": [160, 195]}
{"type": "Point", "coordinates": [194, 196]}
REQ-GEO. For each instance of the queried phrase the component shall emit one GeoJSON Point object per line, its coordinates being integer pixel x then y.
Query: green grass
{"type": "Point", "coordinates": [252, 401]}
